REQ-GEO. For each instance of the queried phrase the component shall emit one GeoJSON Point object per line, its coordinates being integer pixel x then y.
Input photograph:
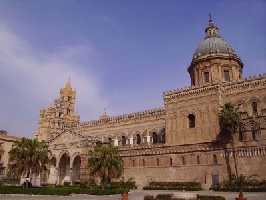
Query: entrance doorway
{"type": "Point", "coordinates": [64, 169]}
{"type": "Point", "coordinates": [215, 178]}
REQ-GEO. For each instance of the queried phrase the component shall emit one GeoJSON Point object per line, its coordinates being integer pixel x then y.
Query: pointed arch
{"type": "Point", "coordinates": [255, 130]}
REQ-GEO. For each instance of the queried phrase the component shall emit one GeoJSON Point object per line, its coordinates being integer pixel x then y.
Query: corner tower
{"type": "Point", "coordinates": [214, 60]}
{"type": "Point", "coordinates": [58, 115]}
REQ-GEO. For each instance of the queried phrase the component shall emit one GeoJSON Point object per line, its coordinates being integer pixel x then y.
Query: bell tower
{"type": "Point", "coordinates": [59, 115]}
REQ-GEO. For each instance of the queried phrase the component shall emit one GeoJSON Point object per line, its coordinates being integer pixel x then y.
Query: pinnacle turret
{"type": "Point", "coordinates": [68, 85]}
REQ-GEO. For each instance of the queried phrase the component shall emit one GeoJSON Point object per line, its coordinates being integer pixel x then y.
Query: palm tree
{"type": "Point", "coordinates": [3, 132]}
{"type": "Point", "coordinates": [29, 156]}
{"type": "Point", "coordinates": [229, 118]}
{"type": "Point", "coordinates": [104, 162]}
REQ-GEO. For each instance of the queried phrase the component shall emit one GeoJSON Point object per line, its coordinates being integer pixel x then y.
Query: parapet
{"type": "Point", "coordinates": [130, 118]}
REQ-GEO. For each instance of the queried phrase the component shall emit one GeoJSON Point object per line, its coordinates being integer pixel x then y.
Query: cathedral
{"type": "Point", "coordinates": [183, 140]}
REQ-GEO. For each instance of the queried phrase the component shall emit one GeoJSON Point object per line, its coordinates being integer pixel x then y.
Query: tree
{"type": "Point", "coordinates": [104, 162]}
{"type": "Point", "coordinates": [3, 132]}
{"type": "Point", "coordinates": [229, 118]}
{"type": "Point", "coordinates": [29, 156]}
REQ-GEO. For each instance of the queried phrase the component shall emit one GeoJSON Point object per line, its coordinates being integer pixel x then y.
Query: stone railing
{"type": "Point", "coordinates": [133, 117]}
{"type": "Point", "coordinates": [245, 152]}
{"type": "Point", "coordinates": [228, 87]}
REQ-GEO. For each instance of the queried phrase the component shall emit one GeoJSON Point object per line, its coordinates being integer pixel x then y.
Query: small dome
{"type": "Point", "coordinates": [213, 45]}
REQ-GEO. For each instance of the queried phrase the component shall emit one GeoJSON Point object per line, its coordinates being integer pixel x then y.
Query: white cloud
{"type": "Point", "coordinates": [30, 77]}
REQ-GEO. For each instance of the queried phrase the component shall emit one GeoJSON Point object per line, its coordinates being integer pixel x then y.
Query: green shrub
{"type": "Point", "coordinates": [82, 185]}
{"type": "Point", "coordinates": [61, 191]}
{"type": "Point", "coordinates": [202, 197]}
{"type": "Point", "coordinates": [66, 183]}
{"type": "Point", "coordinates": [189, 186]}
{"type": "Point", "coordinates": [163, 197]}
{"type": "Point", "coordinates": [232, 189]}
{"type": "Point", "coordinates": [149, 197]}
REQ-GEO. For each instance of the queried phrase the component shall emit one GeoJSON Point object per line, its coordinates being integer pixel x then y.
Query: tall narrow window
{"type": "Point", "coordinates": [206, 77]}
{"type": "Point", "coordinates": [163, 137]}
{"type": "Point", "coordinates": [157, 162]}
{"type": "Point", "coordinates": [138, 139]}
{"type": "Point", "coordinates": [133, 163]}
{"type": "Point", "coordinates": [123, 140]}
{"type": "Point", "coordinates": [143, 163]}
{"type": "Point", "coordinates": [110, 140]}
{"type": "Point", "coordinates": [253, 134]}
{"type": "Point", "coordinates": [226, 76]}
{"type": "Point", "coordinates": [255, 108]}
{"type": "Point", "coordinates": [183, 161]}
{"type": "Point", "coordinates": [214, 159]}
{"type": "Point", "coordinates": [154, 137]}
{"type": "Point", "coordinates": [241, 136]}
{"type": "Point", "coordinates": [191, 121]}
{"type": "Point", "coordinates": [171, 161]}
{"type": "Point", "coordinates": [198, 160]}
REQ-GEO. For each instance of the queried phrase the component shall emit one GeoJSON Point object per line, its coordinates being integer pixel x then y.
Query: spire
{"type": "Point", "coordinates": [211, 30]}
{"type": "Point", "coordinates": [43, 108]}
{"type": "Point", "coordinates": [68, 85]}
{"type": "Point", "coordinates": [104, 115]}
{"type": "Point", "coordinates": [210, 21]}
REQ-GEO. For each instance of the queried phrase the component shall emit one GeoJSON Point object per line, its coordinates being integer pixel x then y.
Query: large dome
{"type": "Point", "coordinates": [213, 45]}
{"type": "Point", "coordinates": [214, 60]}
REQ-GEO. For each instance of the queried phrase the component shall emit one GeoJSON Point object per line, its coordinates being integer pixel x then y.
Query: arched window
{"type": "Point", "coordinates": [206, 77]}
{"type": "Point", "coordinates": [198, 160]}
{"type": "Point", "coordinates": [163, 137]}
{"type": "Point", "coordinates": [157, 162]}
{"type": "Point", "coordinates": [253, 134]}
{"type": "Point", "coordinates": [191, 121]}
{"type": "Point", "coordinates": [255, 108]}
{"type": "Point", "coordinates": [214, 159]}
{"type": "Point", "coordinates": [171, 161]}
{"type": "Point", "coordinates": [143, 163]}
{"type": "Point", "coordinates": [110, 140]}
{"type": "Point", "coordinates": [226, 75]}
{"type": "Point", "coordinates": [241, 131]}
{"type": "Point", "coordinates": [241, 136]}
{"type": "Point", "coordinates": [123, 140]}
{"type": "Point", "coordinates": [154, 137]}
{"type": "Point", "coordinates": [183, 161]}
{"type": "Point", "coordinates": [138, 139]}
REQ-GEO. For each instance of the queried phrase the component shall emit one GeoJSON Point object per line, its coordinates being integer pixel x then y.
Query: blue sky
{"type": "Point", "coordinates": [121, 55]}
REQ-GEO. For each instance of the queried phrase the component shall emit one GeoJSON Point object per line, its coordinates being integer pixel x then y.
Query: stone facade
{"type": "Point", "coordinates": [180, 142]}
{"type": "Point", "coordinates": [6, 144]}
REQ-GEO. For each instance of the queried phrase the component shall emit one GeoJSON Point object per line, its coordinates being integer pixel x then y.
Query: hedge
{"type": "Point", "coordinates": [168, 197]}
{"type": "Point", "coordinates": [237, 189]}
{"type": "Point", "coordinates": [203, 197]}
{"type": "Point", "coordinates": [61, 191]}
{"type": "Point", "coordinates": [188, 186]}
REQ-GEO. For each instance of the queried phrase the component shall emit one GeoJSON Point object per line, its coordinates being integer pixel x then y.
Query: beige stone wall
{"type": "Point", "coordinates": [203, 103]}
{"type": "Point", "coordinates": [6, 143]}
